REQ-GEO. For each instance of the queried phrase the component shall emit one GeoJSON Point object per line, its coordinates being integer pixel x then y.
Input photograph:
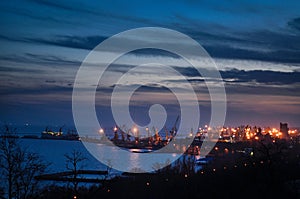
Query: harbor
{"type": "Point", "coordinates": [226, 164]}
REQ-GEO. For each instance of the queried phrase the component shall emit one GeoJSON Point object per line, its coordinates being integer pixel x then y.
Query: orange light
{"type": "Point", "coordinates": [134, 129]}
{"type": "Point", "coordinates": [226, 150]}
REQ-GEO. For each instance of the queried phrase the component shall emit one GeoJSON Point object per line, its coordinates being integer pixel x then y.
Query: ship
{"type": "Point", "coordinates": [128, 140]}
{"type": "Point", "coordinates": [48, 133]}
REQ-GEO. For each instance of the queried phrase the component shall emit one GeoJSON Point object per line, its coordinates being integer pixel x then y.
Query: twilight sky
{"type": "Point", "coordinates": [255, 44]}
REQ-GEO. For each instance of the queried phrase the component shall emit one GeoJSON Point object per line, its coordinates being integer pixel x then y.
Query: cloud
{"type": "Point", "coordinates": [258, 45]}
{"type": "Point", "coordinates": [94, 11]}
{"type": "Point", "coordinates": [255, 45]}
{"type": "Point", "coordinates": [259, 76]}
{"type": "Point", "coordinates": [39, 59]}
{"type": "Point", "coordinates": [222, 40]}
{"type": "Point", "coordinates": [60, 5]}
{"type": "Point", "coordinates": [295, 23]}
{"type": "Point", "coordinates": [87, 43]}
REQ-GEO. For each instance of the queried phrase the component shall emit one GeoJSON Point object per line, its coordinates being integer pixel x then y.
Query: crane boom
{"type": "Point", "coordinates": [174, 128]}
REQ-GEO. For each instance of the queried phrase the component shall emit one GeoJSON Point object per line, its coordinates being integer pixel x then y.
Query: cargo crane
{"type": "Point", "coordinates": [174, 128]}
{"type": "Point", "coordinates": [166, 131]}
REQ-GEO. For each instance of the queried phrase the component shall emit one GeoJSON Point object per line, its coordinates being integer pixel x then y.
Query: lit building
{"type": "Point", "coordinates": [284, 130]}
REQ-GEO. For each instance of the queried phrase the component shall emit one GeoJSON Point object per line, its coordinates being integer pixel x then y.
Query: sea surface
{"type": "Point", "coordinates": [53, 153]}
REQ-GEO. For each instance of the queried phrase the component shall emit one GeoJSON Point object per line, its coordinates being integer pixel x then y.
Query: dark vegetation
{"type": "Point", "coordinates": [18, 167]}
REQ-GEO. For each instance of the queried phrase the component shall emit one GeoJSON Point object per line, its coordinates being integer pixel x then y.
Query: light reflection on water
{"type": "Point", "coordinates": [133, 160]}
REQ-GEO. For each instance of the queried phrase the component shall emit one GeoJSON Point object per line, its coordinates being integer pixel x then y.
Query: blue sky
{"type": "Point", "coordinates": [255, 44]}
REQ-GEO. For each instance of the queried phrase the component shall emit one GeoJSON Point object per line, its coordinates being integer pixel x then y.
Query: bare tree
{"type": "Point", "coordinates": [74, 162]}
{"type": "Point", "coordinates": [8, 147]}
{"type": "Point", "coordinates": [29, 165]}
{"type": "Point", "coordinates": [18, 166]}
